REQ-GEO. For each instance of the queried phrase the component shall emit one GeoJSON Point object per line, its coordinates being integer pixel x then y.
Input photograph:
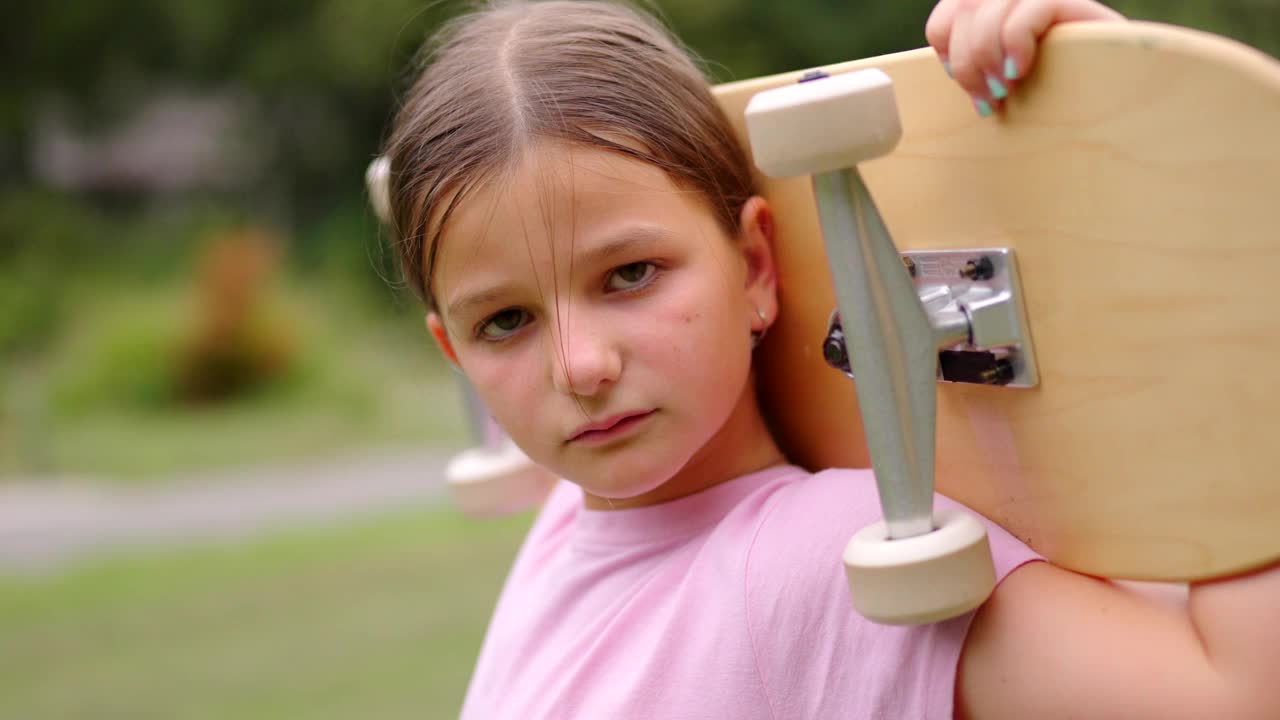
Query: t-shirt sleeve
{"type": "Point", "coordinates": [818, 657]}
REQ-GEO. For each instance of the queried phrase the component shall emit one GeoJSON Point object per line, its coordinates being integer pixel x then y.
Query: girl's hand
{"type": "Point", "coordinates": [988, 45]}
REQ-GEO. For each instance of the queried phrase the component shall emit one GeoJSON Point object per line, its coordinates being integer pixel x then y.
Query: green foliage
{"type": "Point", "coordinates": [348, 250]}
{"type": "Point", "coordinates": [746, 38]}
{"type": "Point", "coordinates": [105, 407]}
{"type": "Point", "coordinates": [131, 353]}
{"type": "Point", "coordinates": [57, 252]}
{"type": "Point", "coordinates": [125, 362]}
{"type": "Point", "coordinates": [1252, 22]}
{"type": "Point", "coordinates": [31, 308]}
{"type": "Point", "coordinates": [40, 234]}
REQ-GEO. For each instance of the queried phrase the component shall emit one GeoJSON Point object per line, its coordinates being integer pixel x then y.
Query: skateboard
{"type": "Point", "coordinates": [1130, 184]}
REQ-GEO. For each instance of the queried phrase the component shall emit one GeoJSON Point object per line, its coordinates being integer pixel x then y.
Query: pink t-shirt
{"type": "Point", "coordinates": [730, 603]}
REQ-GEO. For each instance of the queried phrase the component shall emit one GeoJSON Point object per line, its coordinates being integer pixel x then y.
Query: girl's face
{"type": "Point", "coordinates": [604, 317]}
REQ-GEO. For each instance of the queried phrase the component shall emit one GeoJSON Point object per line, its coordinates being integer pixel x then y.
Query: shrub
{"type": "Point", "coordinates": [234, 347]}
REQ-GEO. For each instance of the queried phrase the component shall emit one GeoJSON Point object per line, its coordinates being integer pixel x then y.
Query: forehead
{"type": "Point", "coordinates": [555, 201]}
{"type": "Point", "coordinates": [550, 178]}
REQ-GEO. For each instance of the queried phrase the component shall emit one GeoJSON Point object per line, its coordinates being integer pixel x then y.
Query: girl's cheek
{"type": "Point", "coordinates": [511, 373]}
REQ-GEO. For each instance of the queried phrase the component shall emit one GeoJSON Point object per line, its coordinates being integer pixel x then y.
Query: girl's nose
{"type": "Point", "coordinates": [584, 361]}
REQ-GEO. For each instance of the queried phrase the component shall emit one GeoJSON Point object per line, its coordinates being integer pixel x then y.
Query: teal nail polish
{"type": "Point", "coordinates": [947, 66]}
{"type": "Point", "coordinates": [984, 108]}
{"type": "Point", "coordinates": [1010, 69]}
{"type": "Point", "coordinates": [998, 90]}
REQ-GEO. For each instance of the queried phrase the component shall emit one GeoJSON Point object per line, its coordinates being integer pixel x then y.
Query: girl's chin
{"type": "Point", "coordinates": [622, 488]}
{"type": "Point", "coordinates": [634, 485]}
{"type": "Point", "coordinates": [626, 473]}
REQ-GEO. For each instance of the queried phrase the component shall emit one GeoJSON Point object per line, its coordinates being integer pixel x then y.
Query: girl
{"type": "Point", "coordinates": [575, 213]}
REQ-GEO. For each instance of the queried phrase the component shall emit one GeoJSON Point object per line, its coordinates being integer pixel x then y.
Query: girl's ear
{"type": "Point", "coordinates": [436, 328]}
{"type": "Point", "coordinates": [756, 222]}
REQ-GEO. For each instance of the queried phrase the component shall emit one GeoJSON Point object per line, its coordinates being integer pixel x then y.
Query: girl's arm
{"type": "Point", "coordinates": [1053, 644]}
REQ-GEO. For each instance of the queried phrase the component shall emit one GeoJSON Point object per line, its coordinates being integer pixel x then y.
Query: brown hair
{"type": "Point", "coordinates": [582, 71]}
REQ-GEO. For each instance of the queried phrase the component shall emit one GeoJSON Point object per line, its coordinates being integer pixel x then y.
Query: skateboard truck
{"type": "Point", "coordinates": [494, 477]}
{"type": "Point", "coordinates": [914, 566]}
{"type": "Point", "coordinates": [980, 287]}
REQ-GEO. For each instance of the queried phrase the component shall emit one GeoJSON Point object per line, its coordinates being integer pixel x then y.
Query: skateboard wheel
{"type": "Point", "coordinates": [487, 482]}
{"type": "Point", "coordinates": [921, 579]}
{"type": "Point", "coordinates": [824, 125]}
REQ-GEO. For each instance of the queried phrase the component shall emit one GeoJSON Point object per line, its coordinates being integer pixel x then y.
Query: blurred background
{"type": "Point", "coordinates": [222, 426]}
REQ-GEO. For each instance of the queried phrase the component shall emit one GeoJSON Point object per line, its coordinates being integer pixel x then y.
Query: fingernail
{"type": "Point", "coordinates": [1010, 69]}
{"type": "Point", "coordinates": [998, 90]}
{"type": "Point", "coordinates": [984, 108]}
{"type": "Point", "coordinates": [947, 66]}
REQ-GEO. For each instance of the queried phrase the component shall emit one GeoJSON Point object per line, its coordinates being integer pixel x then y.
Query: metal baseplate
{"type": "Point", "coordinates": [983, 287]}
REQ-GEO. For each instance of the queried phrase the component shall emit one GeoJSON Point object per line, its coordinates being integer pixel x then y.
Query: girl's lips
{"type": "Point", "coordinates": [610, 428]}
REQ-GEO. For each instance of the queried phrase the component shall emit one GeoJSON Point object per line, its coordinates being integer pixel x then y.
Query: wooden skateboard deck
{"type": "Point", "coordinates": [1136, 173]}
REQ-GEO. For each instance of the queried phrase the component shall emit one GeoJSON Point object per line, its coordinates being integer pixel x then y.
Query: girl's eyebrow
{"type": "Point", "coordinates": [469, 300]}
{"type": "Point", "coordinates": [620, 243]}
{"type": "Point", "coordinates": [624, 241]}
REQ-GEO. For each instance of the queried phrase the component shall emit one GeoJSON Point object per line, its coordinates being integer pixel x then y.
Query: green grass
{"type": "Point", "coordinates": [379, 620]}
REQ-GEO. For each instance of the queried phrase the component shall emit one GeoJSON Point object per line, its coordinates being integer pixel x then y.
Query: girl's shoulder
{"type": "Point", "coordinates": [817, 657]}
{"type": "Point", "coordinates": [795, 552]}
{"type": "Point", "coordinates": [820, 512]}
{"type": "Point", "coordinates": [809, 510]}
{"type": "Point", "coordinates": [794, 574]}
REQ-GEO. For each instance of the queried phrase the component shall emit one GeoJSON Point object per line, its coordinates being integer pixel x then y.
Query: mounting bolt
{"type": "Point", "coordinates": [1001, 374]}
{"type": "Point", "coordinates": [834, 352]}
{"type": "Point", "coordinates": [979, 268]}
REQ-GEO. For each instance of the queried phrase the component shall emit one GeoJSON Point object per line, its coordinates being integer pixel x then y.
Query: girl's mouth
{"type": "Point", "coordinates": [609, 429]}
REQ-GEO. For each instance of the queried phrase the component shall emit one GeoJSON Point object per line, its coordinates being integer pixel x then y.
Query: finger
{"type": "Point", "coordinates": [1027, 22]}
{"type": "Point", "coordinates": [963, 69]}
{"type": "Point", "coordinates": [987, 45]}
{"type": "Point", "coordinates": [937, 30]}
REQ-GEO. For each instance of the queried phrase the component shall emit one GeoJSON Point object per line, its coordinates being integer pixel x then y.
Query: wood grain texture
{"type": "Point", "coordinates": [1137, 174]}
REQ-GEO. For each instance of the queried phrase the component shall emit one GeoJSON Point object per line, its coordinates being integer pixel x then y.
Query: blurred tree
{"type": "Point", "coordinates": [320, 72]}
{"type": "Point", "coordinates": [321, 76]}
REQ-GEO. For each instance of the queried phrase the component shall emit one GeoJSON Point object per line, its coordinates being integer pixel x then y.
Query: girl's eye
{"type": "Point", "coordinates": [503, 323]}
{"type": "Point", "coordinates": [630, 275]}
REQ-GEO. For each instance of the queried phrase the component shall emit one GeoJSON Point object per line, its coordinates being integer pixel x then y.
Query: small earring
{"type": "Point", "coordinates": [758, 335]}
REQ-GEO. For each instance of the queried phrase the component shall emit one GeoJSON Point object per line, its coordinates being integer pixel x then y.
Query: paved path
{"type": "Point", "coordinates": [47, 524]}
